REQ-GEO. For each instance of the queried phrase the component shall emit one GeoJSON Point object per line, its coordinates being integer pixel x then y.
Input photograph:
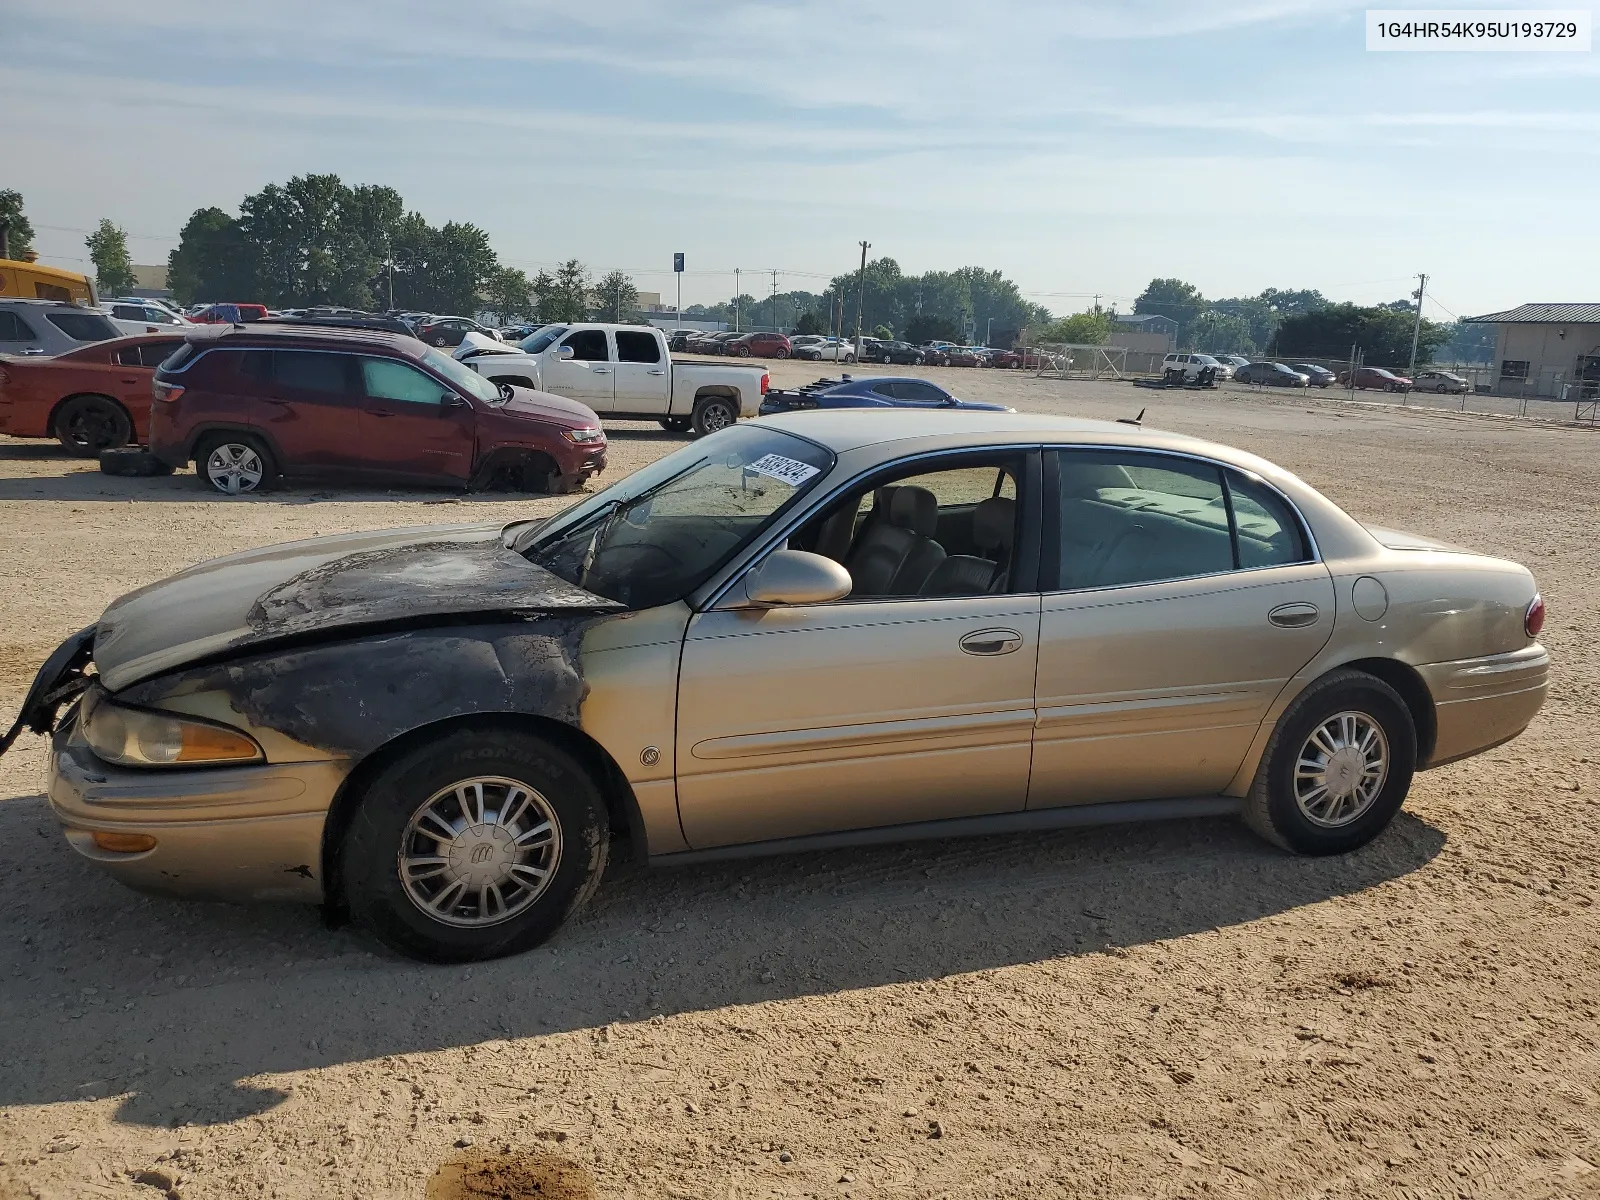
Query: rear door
{"type": "Point", "coordinates": [1171, 629]}
{"type": "Point", "coordinates": [311, 408]}
{"type": "Point", "coordinates": [588, 376]}
{"type": "Point", "coordinates": [17, 334]}
{"type": "Point", "coordinates": [409, 428]}
{"type": "Point", "coordinates": [642, 383]}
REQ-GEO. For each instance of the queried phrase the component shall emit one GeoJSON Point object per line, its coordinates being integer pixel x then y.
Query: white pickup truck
{"type": "Point", "coordinates": [621, 371]}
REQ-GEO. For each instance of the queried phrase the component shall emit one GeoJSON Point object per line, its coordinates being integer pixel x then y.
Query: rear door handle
{"type": "Point", "coordinates": [992, 641]}
{"type": "Point", "coordinates": [655, 372]}
{"type": "Point", "coordinates": [1294, 616]}
{"type": "Point", "coordinates": [377, 412]}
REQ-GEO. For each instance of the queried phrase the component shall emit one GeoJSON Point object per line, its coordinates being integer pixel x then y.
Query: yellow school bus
{"type": "Point", "coordinates": [32, 281]}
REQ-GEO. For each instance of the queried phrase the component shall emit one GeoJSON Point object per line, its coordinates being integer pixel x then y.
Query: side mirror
{"type": "Point", "coordinates": [794, 577]}
{"type": "Point", "coordinates": [564, 353]}
{"type": "Point", "coordinates": [451, 400]}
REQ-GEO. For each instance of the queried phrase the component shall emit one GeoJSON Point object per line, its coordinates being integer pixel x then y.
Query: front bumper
{"type": "Point", "coordinates": [236, 833]}
{"type": "Point", "coordinates": [1481, 702]}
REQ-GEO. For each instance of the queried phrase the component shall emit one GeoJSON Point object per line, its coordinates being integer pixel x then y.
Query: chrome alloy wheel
{"type": "Point", "coordinates": [1341, 769]}
{"type": "Point", "coordinates": [479, 851]}
{"type": "Point", "coordinates": [235, 468]}
{"type": "Point", "coordinates": [718, 416]}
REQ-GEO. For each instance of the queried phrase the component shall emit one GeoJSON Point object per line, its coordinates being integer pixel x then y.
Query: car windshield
{"type": "Point", "coordinates": [463, 379]}
{"type": "Point", "coordinates": [539, 340]}
{"type": "Point", "coordinates": [661, 532]}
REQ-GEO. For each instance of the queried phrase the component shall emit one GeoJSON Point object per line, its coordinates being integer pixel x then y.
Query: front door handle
{"type": "Point", "coordinates": [601, 370]}
{"type": "Point", "coordinates": [655, 372]}
{"type": "Point", "coordinates": [377, 412]}
{"type": "Point", "coordinates": [1294, 616]}
{"type": "Point", "coordinates": [992, 641]}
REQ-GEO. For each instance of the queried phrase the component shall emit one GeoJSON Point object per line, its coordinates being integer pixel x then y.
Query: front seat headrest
{"type": "Point", "coordinates": [916, 509]}
{"type": "Point", "coordinates": [993, 523]}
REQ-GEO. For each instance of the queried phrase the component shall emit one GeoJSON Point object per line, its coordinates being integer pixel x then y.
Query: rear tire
{"type": "Point", "coordinates": [1337, 768]}
{"type": "Point", "coordinates": [780, 352]}
{"type": "Point", "coordinates": [234, 464]}
{"type": "Point", "coordinates": [474, 845]}
{"type": "Point", "coordinates": [712, 413]}
{"type": "Point", "coordinates": [86, 425]}
{"type": "Point", "coordinates": [132, 462]}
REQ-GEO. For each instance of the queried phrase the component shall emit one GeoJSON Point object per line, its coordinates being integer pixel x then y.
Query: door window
{"type": "Point", "coordinates": [589, 345]}
{"type": "Point", "coordinates": [1268, 532]}
{"type": "Point", "coordinates": [386, 379]}
{"type": "Point", "coordinates": [14, 329]}
{"type": "Point", "coordinates": [146, 354]}
{"type": "Point", "coordinates": [932, 534]}
{"type": "Point", "coordinates": [1128, 518]}
{"type": "Point", "coordinates": [81, 326]}
{"type": "Point", "coordinates": [310, 371]}
{"type": "Point", "coordinates": [637, 347]}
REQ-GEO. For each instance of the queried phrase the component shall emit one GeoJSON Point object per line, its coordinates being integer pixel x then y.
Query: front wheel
{"type": "Point", "coordinates": [744, 351]}
{"type": "Point", "coordinates": [712, 413]}
{"type": "Point", "coordinates": [1338, 766]}
{"type": "Point", "coordinates": [849, 358]}
{"type": "Point", "coordinates": [474, 845]}
{"type": "Point", "coordinates": [780, 352]}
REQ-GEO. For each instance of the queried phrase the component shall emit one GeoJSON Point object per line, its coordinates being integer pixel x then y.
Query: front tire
{"type": "Point", "coordinates": [474, 845]}
{"type": "Point", "coordinates": [1338, 766]}
{"type": "Point", "coordinates": [712, 413]}
{"type": "Point", "coordinates": [86, 425]}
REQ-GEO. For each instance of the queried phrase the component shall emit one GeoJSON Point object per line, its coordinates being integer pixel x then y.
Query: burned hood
{"type": "Point", "coordinates": [309, 587]}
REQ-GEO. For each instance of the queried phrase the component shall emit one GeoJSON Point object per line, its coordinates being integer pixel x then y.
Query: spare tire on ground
{"type": "Point", "coordinates": [132, 461]}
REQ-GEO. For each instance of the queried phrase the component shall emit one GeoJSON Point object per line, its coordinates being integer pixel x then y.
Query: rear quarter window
{"type": "Point", "coordinates": [82, 326]}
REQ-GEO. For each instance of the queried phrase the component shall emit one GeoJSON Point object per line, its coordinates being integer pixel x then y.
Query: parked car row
{"type": "Point", "coordinates": [874, 392]}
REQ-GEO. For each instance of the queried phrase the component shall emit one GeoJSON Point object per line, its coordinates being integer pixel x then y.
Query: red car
{"type": "Point", "coordinates": [1376, 377]}
{"type": "Point", "coordinates": [230, 314]}
{"type": "Point", "coordinates": [90, 399]}
{"type": "Point", "coordinates": [762, 345]}
{"type": "Point", "coordinates": [249, 405]}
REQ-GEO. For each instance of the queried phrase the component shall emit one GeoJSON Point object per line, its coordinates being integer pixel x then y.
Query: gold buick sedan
{"type": "Point", "coordinates": [816, 630]}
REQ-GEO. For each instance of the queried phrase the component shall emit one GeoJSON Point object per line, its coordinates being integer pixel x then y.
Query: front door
{"type": "Point", "coordinates": [406, 427]}
{"type": "Point", "coordinates": [910, 700]}
{"type": "Point", "coordinates": [643, 384]}
{"type": "Point", "coordinates": [588, 376]}
{"type": "Point", "coordinates": [1173, 628]}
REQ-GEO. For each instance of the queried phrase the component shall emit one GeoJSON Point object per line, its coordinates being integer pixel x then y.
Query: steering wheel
{"type": "Point", "coordinates": [614, 560]}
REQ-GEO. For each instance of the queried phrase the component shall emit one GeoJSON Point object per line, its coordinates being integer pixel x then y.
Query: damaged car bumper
{"type": "Point", "coordinates": [233, 833]}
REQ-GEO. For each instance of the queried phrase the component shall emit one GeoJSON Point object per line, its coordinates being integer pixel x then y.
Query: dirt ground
{"type": "Point", "coordinates": [1162, 1011]}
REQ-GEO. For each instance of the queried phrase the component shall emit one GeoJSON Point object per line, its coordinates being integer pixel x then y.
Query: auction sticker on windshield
{"type": "Point", "coordinates": [785, 470]}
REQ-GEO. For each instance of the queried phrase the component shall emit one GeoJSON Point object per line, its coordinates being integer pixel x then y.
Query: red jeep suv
{"type": "Point", "coordinates": [249, 404]}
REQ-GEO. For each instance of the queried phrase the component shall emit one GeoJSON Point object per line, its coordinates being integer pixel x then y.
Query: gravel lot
{"type": "Point", "coordinates": [1166, 1011]}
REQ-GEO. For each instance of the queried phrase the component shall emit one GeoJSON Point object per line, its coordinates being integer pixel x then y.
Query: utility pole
{"type": "Point", "coordinates": [736, 299]}
{"type": "Point", "coordinates": [861, 295]}
{"type": "Point", "coordinates": [988, 329]}
{"type": "Point", "coordinates": [388, 253]}
{"type": "Point", "coordinates": [1416, 330]}
{"type": "Point", "coordinates": [773, 315]}
{"type": "Point", "coordinates": [677, 270]}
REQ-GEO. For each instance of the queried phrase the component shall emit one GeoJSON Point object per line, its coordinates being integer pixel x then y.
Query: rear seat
{"type": "Point", "coordinates": [1118, 536]}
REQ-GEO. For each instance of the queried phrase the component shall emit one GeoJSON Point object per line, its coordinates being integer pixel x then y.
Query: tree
{"type": "Point", "coordinates": [618, 298]}
{"type": "Point", "coordinates": [1218, 332]}
{"type": "Point", "coordinates": [1468, 342]}
{"type": "Point", "coordinates": [563, 296]}
{"type": "Point", "coordinates": [968, 299]}
{"type": "Point", "coordinates": [510, 293]}
{"type": "Point", "coordinates": [1381, 332]}
{"type": "Point", "coordinates": [1172, 298]}
{"type": "Point", "coordinates": [20, 229]}
{"type": "Point", "coordinates": [926, 327]}
{"type": "Point", "coordinates": [108, 250]}
{"type": "Point", "coordinates": [883, 333]}
{"type": "Point", "coordinates": [811, 323]}
{"type": "Point", "coordinates": [210, 262]}
{"type": "Point", "coordinates": [1082, 329]}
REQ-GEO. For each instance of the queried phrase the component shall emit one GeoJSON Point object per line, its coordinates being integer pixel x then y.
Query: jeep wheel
{"type": "Point", "coordinates": [234, 464]}
{"type": "Point", "coordinates": [474, 845]}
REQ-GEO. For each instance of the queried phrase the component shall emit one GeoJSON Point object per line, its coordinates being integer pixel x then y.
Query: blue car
{"type": "Point", "coordinates": [888, 391]}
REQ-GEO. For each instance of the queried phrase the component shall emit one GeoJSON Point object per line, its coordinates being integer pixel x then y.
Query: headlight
{"type": "Point", "coordinates": [585, 436]}
{"type": "Point", "coordinates": [137, 737]}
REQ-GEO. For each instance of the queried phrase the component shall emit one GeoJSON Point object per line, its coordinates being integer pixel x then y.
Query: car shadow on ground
{"type": "Point", "coordinates": [177, 1007]}
{"type": "Point", "coordinates": [184, 487]}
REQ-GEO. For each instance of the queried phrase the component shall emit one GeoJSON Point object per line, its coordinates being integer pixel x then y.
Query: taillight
{"type": "Point", "coordinates": [766, 382]}
{"type": "Point", "coordinates": [1533, 619]}
{"type": "Point", "coordinates": [169, 392]}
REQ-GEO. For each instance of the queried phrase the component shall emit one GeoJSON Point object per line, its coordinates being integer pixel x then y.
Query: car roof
{"type": "Point", "coordinates": [842, 429]}
{"type": "Point", "coordinates": [36, 303]}
{"type": "Point", "coordinates": [332, 337]}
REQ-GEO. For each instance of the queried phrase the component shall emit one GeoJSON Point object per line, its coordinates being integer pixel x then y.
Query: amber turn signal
{"type": "Point", "coordinates": [209, 743]}
{"type": "Point", "coordinates": [123, 843]}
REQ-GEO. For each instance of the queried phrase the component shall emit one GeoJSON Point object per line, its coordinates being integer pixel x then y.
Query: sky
{"type": "Point", "coordinates": [1080, 148]}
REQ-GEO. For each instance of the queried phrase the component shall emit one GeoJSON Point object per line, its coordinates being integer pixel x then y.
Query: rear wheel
{"type": "Point", "coordinates": [234, 464]}
{"type": "Point", "coordinates": [474, 845]}
{"type": "Point", "coordinates": [712, 413]}
{"type": "Point", "coordinates": [780, 352]}
{"type": "Point", "coordinates": [86, 425]}
{"type": "Point", "coordinates": [1338, 766]}
{"type": "Point", "coordinates": [744, 351]}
